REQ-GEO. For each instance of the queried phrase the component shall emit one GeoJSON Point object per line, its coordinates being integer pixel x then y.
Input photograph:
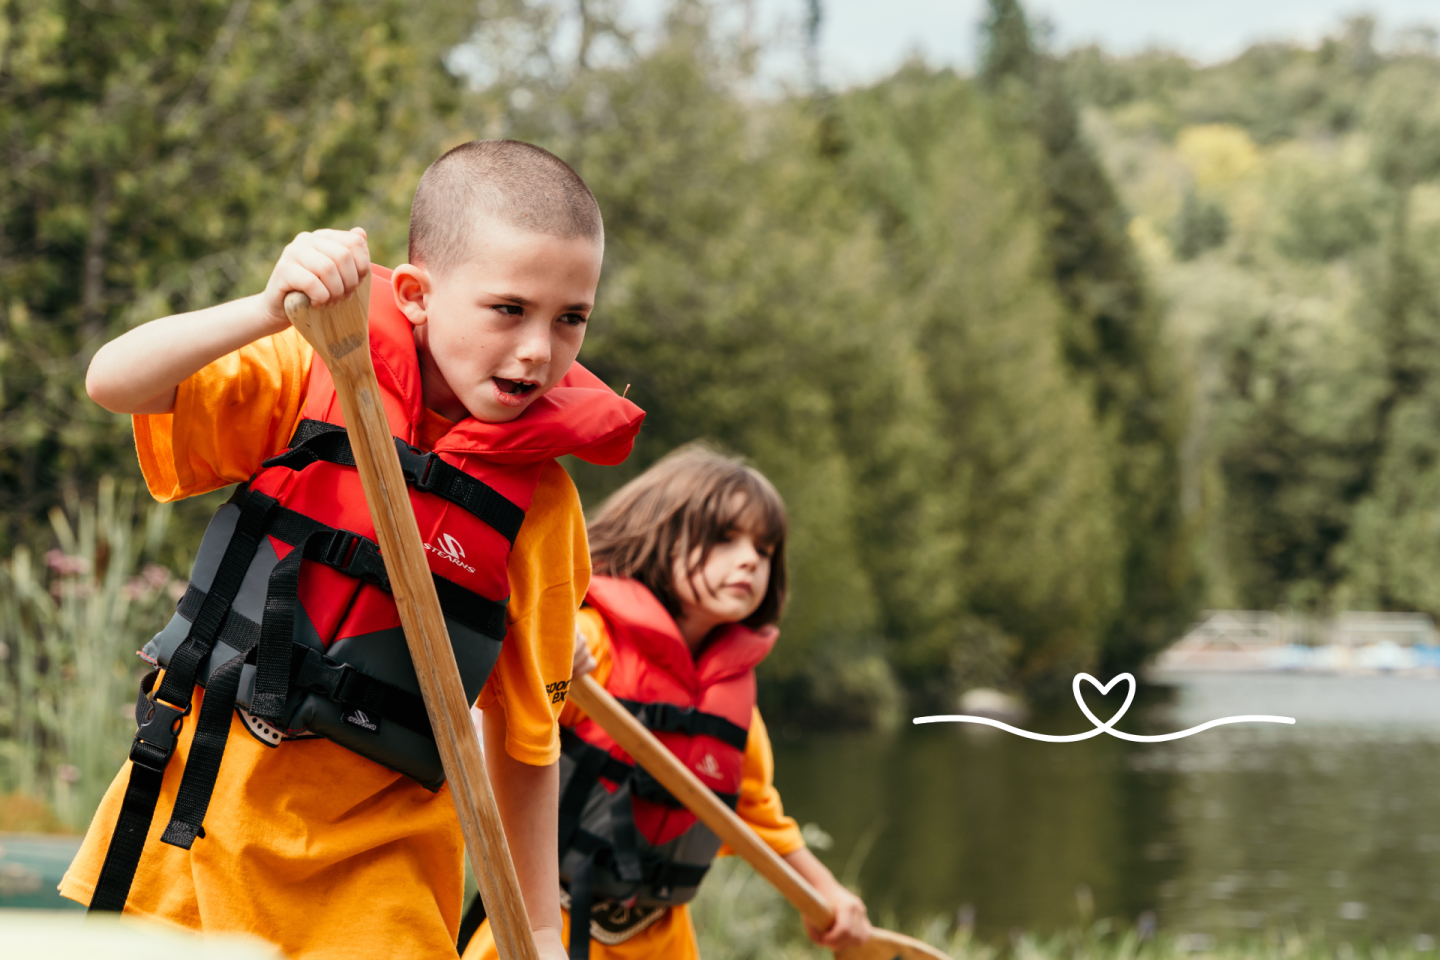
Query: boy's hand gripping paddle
{"type": "Point", "coordinates": [339, 332]}
{"type": "Point", "coordinates": [664, 766]}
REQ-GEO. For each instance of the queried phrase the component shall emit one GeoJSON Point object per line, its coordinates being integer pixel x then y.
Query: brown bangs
{"type": "Point", "coordinates": [693, 497]}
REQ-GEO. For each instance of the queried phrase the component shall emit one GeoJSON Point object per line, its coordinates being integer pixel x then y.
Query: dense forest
{"type": "Point", "coordinates": [1043, 359]}
{"type": "Point", "coordinates": [1287, 208]}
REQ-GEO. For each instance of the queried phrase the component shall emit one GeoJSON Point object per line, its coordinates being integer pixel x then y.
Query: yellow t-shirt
{"type": "Point", "coordinates": [672, 937]}
{"type": "Point", "coordinates": [307, 844]}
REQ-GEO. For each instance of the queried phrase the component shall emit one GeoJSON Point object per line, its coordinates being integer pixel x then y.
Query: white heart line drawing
{"type": "Point", "coordinates": [1109, 725]}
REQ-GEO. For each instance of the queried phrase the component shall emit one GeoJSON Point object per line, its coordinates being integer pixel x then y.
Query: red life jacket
{"type": "Point", "coordinates": [288, 615]}
{"type": "Point", "coordinates": [622, 836]}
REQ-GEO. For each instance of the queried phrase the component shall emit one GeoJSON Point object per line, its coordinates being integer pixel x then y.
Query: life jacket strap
{"type": "Point", "coordinates": [659, 874]}
{"type": "Point", "coordinates": [160, 713]}
{"type": "Point", "coordinates": [669, 718]}
{"type": "Point", "coordinates": [316, 441]}
{"type": "Point", "coordinates": [359, 557]}
{"type": "Point", "coordinates": [592, 763]}
{"type": "Point", "coordinates": [207, 749]}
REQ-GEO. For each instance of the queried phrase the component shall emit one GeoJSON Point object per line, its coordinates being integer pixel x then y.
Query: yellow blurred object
{"type": "Point", "coordinates": [1217, 154]}
{"type": "Point", "coordinates": [58, 935]}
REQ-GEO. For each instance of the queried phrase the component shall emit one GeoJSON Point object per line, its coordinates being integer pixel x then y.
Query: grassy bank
{"type": "Point", "coordinates": [738, 916]}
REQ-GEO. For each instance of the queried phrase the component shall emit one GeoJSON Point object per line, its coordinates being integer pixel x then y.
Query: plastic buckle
{"type": "Point", "coordinates": [159, 727]}
{"type": "Point", "coordinates": [337, 551]}
{"type": "Point", "coordinates": [415, 464]}
{"type": "Point", "coordinates": [670, 718]}
{"type": "Point", "coordinates": [341, 687]}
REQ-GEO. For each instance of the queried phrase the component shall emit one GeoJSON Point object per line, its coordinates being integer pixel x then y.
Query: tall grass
{"type": "Point", "coordinates": [70, 624]}
{"type": "Point", "coordinates": [738, 916]}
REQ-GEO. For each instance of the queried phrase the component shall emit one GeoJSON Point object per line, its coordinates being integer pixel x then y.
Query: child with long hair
{"type": "Point", "coordinates": [689, 583]}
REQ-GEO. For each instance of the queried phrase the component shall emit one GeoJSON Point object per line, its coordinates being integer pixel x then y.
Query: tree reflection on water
{"type": "Point", "coordinates": [1329, 825]}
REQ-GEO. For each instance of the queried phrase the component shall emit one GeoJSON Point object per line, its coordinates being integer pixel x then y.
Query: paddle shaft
{"type": "Point", "coordinates": [699, 799]}
{"type": "Point", "coordinates": [339, 333]}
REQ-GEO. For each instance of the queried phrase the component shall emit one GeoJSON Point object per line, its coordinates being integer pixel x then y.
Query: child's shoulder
{"type": "Point", "coordinates": [552, 543]}
{"type": "Point", "coordinates": [556, 500]}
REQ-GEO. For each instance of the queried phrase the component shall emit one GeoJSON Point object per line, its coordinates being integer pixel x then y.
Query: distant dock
{"type": "Point", "coordinates": [1350, 643]}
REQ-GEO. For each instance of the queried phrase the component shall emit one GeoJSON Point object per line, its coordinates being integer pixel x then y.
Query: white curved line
{"type": "Point", "coordinates": [1073, 738]}
{"type": "Point", "coordinates": [1248, 718]}
{"type": "Point", "coordinates": [1106, 727]}
{"type": "Point", "coordinates": [1047, 738]}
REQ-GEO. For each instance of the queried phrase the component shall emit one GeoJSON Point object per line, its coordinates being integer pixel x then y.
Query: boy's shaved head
{"type": "Point", "coordinates": [514, 182]}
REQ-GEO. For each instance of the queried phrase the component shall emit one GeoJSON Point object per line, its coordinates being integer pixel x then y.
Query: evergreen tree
{"type": "Point", "coordinates": [159, 158]}
{"type": "Point", "coordinates": [1111, 334]}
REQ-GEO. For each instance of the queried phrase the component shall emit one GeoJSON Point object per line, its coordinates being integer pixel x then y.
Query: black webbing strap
{"type": "Point", "coordinates": [357, 556]}
{"type": "Point", "coordinates": [664, 874]}
{"type": "Point", "coordinates": [668, 718]}
{"type": "Point", "coordinates": [159, 726]}
{"type": "Point", "coordinates": [591, 763]}
{"type": "Point", "coordinates": [660, 874]}
{"type": "Point", "coordinates": [348, 686]}
{"type": "Point", "coordinates": [185, 661]}
{"type": "Point", "coordinates": [277, 627]}
{"type": "Point", "coordinates": [159, 716]}
{"type": "Point", "coordinates": [646, 787]}
{"type": "Point", "coordinates": [480, 614]}
{"type": "Point", "coordinates": [316, 441]}
{"type": "Point", "coordinates": [582, 898]}
{"type": "Point", "coordinates": [207, 749]}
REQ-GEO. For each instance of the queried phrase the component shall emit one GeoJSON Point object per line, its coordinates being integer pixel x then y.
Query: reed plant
{"type": "Point", "coordinates": [71, 621]}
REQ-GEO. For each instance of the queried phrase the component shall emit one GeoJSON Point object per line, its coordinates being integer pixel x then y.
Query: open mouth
{"type": "Point", "coordinates": [515, 388]}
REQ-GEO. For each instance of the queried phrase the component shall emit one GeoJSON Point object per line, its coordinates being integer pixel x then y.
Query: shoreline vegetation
{"type": "Point", "coordinates": [740, 917]}
{"type": "Point", "coordinates": [1044, 359]}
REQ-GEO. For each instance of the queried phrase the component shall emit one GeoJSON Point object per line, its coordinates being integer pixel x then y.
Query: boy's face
{"type": "Point", "coordinates": [502, 327]}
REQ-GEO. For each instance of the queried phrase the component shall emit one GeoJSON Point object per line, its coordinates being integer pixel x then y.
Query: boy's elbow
{"type": "Point", "coordinates": [101, 386]}
{"type": "Point", "coordinates": [96, 386]}
{"type": "Point", "coordinates": [107, 386]}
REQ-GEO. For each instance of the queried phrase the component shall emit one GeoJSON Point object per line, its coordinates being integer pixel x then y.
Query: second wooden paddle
{"type": "Point", "coordinates": [663, 765]}
{"type": "Point", "coordinates": [339, 332]}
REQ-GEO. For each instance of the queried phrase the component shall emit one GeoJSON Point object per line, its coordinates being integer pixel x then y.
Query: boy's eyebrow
{"type": "Point", "coordinates": [520, 301]}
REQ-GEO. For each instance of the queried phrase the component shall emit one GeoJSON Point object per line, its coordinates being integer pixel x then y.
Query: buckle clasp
{"type": "Point", "coordinates": [415, 464]}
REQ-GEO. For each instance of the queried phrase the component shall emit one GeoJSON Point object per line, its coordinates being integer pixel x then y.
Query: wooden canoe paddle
{"type": "Point", "coordinates": [664, 766]}
{"type": "Point", "coordinates": [339, 332]}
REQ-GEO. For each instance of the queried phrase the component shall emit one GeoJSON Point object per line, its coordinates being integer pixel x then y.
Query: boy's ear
{"type": "Point", "coordinates": [411, 286]}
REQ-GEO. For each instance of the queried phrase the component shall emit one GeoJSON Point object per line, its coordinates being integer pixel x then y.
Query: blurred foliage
{"type": "Point", "coordinates": [1309, 326]}
{"type": "Point", "coordinates": [916, 305]}
{"type": "Point", "coordinates": [158, 156]}
{"type": "Point", "coordinates": [70, 624]}
{"type": "Point", "coordinates": [739, 915]}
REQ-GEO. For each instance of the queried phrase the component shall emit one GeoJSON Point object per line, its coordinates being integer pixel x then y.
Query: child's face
{"type": "Point", "coordinates": [727, 589]}
{"type": "Point", "coordinates": [501, 328]}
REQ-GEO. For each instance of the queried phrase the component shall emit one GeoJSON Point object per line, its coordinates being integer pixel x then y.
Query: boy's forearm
{"type": "Point", "coordinates": [809, 866]}
{"type": "Point", "coordinates": [139, 371]}
{"type": "Point", "coordinates": [529, 802]}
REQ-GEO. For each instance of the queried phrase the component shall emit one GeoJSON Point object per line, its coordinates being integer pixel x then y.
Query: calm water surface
{"type": "Point", "coordinates": [1331, 825]}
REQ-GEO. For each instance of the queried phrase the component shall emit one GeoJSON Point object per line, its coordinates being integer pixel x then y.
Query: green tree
{"type": "Point", "coordinates": [1112, 336]}
{"type": "Point", "coordinates": [159, 160]}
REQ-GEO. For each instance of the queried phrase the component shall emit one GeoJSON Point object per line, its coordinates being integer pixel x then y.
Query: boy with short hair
{"type": "Point", "coordinates": [319, 833]}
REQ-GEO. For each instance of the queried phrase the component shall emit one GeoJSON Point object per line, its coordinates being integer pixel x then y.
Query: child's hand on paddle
{"type": "Point", "coordinates": [583, 661]}
{"type": "Point", "coordinates": [326, 265]}
{"type": "Point", "coordinates": [851, 927]}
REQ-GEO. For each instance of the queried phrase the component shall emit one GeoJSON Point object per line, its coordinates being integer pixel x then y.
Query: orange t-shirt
{"type": "Point", "coordinates": [673, 935]}
{"type": "Point", "coordinates": [307, 844]}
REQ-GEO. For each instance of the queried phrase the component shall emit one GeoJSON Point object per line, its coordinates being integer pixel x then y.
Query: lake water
{"type": "Point", "coordinates": [1331, 825]}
